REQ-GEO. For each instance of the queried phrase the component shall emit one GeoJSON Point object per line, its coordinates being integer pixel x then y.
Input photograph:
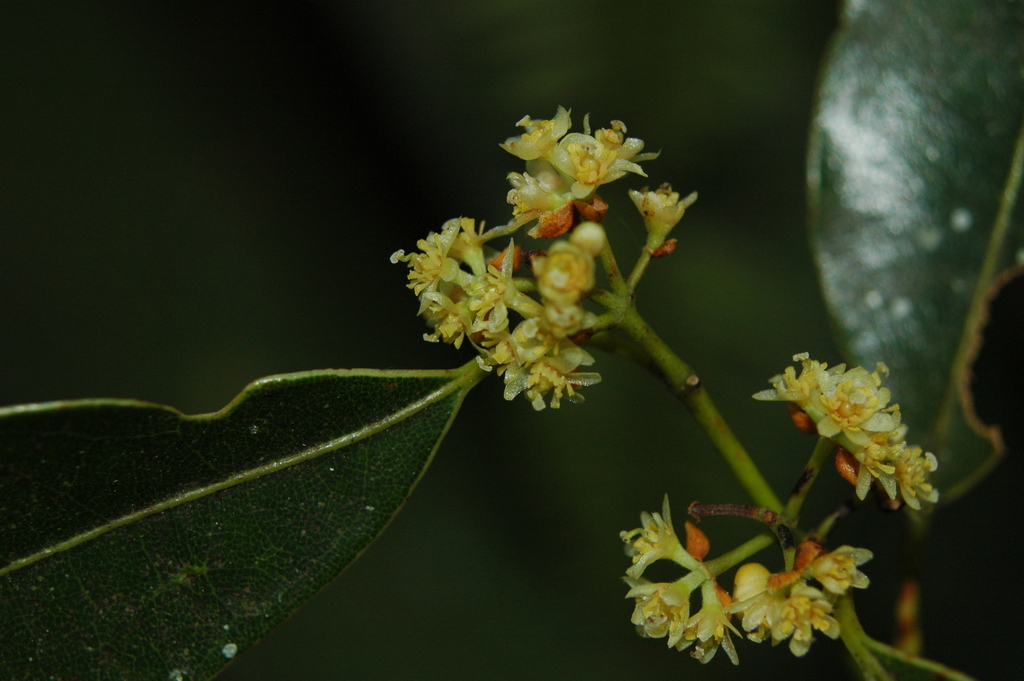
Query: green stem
{"type": "Point", "coordinates": [614, 274]}
{"type": "Point", "coordinates": [826, 526]}
{"type": "Point", "coordinates": [856, 641]}
{"type": "Point", "coordinates": [807, 478]}
{"type": "Point", "coordinates": [639, 268]}
{"type": "Point", "coordinates": [685, 385]}
{"type": "Point", "coordinates": [739, 554]}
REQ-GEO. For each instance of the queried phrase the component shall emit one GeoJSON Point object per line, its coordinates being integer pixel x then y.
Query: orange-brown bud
{"type": "Point", "coordinates": [847, 466]}
{"type": "Point", "coordinates": [664, 249]}
{"type": "Point", "coordinates": [781, 579]}
{"type": "Point", "coordinates": [806, 553]}
{"type": "Point", "coordinates": [555, 223]}
{"type": "Point", "coordinates": [697, 543]}
{"type": "Point", "coordinates": [803, 422]}
{"type": "Point", "coordinates": [593, 211]}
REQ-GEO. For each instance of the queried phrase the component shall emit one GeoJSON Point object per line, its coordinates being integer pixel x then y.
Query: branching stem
{"type": "Point", "coordinates": [685, 385]}
{"type": "Point", "coordinates": [803, 485]}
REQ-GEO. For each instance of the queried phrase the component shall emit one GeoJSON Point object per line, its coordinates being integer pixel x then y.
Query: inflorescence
{"type": "Point", "coordinates": [523, 311]}
{"type": "Point", "coordinates": [787, 605]}
{"type": "Point", "coordinates": [469, 290]}
{"type": "Point", "coordinates": [851, 408]}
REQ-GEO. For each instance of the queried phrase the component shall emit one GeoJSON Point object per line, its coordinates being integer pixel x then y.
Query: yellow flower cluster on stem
{"type": "Point", "coordinates": [851, 408]}
{"type": "Point", "coordinates": [787, 606]}
{"type": "Point", "coordinates": [528, 327]}
{"type": "Point", "coordinates": [662, 610]}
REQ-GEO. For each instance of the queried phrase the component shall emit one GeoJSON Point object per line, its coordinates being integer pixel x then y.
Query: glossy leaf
{"type": "Point", "coordinates": [913, 177]}
{"type": "Point", "coordinates": [140, 543]}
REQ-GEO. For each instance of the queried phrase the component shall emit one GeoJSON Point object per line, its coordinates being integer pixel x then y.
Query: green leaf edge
{"type": "Point", "coordinates": [974, 323]}
{"type": "Point", "coordinates": [465, 378]}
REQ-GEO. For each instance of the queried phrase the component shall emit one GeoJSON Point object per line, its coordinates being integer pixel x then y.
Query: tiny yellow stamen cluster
{"type": "Point", "coordinates": [852, 408]}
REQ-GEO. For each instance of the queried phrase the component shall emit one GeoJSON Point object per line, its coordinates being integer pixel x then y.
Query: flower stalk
{"type": "Point", "coordinates": [822, 449]}
{"type": "Point", "coordinates": [686, 386]}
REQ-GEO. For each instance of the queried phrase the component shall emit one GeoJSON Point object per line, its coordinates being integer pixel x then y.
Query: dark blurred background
{"type": "Point", "coordinates": [194, 195]}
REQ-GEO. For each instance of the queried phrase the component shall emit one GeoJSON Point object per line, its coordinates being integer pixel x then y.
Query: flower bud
{"type": "Point", "coordinates": [661, 209]}
{"type": "Point", "coordinates": [590, 237]}
{"type": "Point", "coordinates": [751, 579]}
{"type": "Point", "coordinates": [565, 275]}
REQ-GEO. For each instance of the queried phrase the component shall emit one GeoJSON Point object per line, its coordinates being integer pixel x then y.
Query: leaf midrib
{"type": "Point", "coordinates": [462, 380]}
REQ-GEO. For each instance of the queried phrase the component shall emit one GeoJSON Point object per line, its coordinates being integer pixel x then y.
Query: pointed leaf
{"type": "Point", "coordinates": [913, 176]}
{"type": "Point", "coordinates": [140, 543]}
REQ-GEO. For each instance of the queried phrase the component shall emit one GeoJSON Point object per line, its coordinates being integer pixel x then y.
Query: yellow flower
{"type": "Point", "coordinates": [855, 404]}
{"type": "Point", "coordinates": [654, 540]}
{"type": "Point", "coordinates": [540, 136]}
{"type": "Point", "coordinates": [912, 472]}
{"type": "Point", "coordinates": [837, 571]}
{"type": "Point", "coordinates": [450, 320]}
{"type": "Point", "coordinates": [661, 609]}
{"type": "Point", "coordinates": [877, 460]}
{"type": "Point", "coordinates": [710, 627]}
{"type": "Point", "coordinates": [661, 209]}
{"type": "Point", "coordinates": [432, 265]}
{"type": "Point", "coordinates": [599, 159]}
{"type": "Point", "coordinates": [802, 389]}
{"type": "Point", "coordinates": [805, 610]}
{"type": "Point", "coordinates": [492, 295]}
{"type": "Point", "coordinates": [531, 199]}
{"type": "Point", "coordinates": [555, 374]}
{"type": "Point", "coordinates": [850, 407]}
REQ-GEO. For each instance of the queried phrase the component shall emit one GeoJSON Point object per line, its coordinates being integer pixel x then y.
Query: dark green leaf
{"type": "Point", "coordinates": [140, 543]}
{"type": "Point", "coordinates": [913, 176]}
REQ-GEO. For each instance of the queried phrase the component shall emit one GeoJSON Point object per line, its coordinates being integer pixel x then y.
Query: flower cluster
{"type": "Point", "coordinates": [786, 606]}
{"type": "Point", "coordinates": [851, 407]}
{"type": "Point", "coordinates": [663, 609]}
{"type": "Point", "coordinates": [469, 290]}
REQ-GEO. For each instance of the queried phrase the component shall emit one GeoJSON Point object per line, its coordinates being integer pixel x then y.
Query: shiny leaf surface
{"type": "Point", "coordinates": [913, 176]}
{"type": "Point", "coordinates": [140, 543]}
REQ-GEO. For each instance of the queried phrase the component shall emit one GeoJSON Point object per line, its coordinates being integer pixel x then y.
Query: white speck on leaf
{"type": "Point", "coordinates": [254, 429]}
{"type": "Point", "coordinates": [902, 307]}
{"type": "Point", "coordinates": [229, 650]}
{"type": "Point", "coordinates": [873, 299]}
{"type": "Point", "coordinates": [368, 508]}
{"type": "Point", "coordinates": [961, 220]}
